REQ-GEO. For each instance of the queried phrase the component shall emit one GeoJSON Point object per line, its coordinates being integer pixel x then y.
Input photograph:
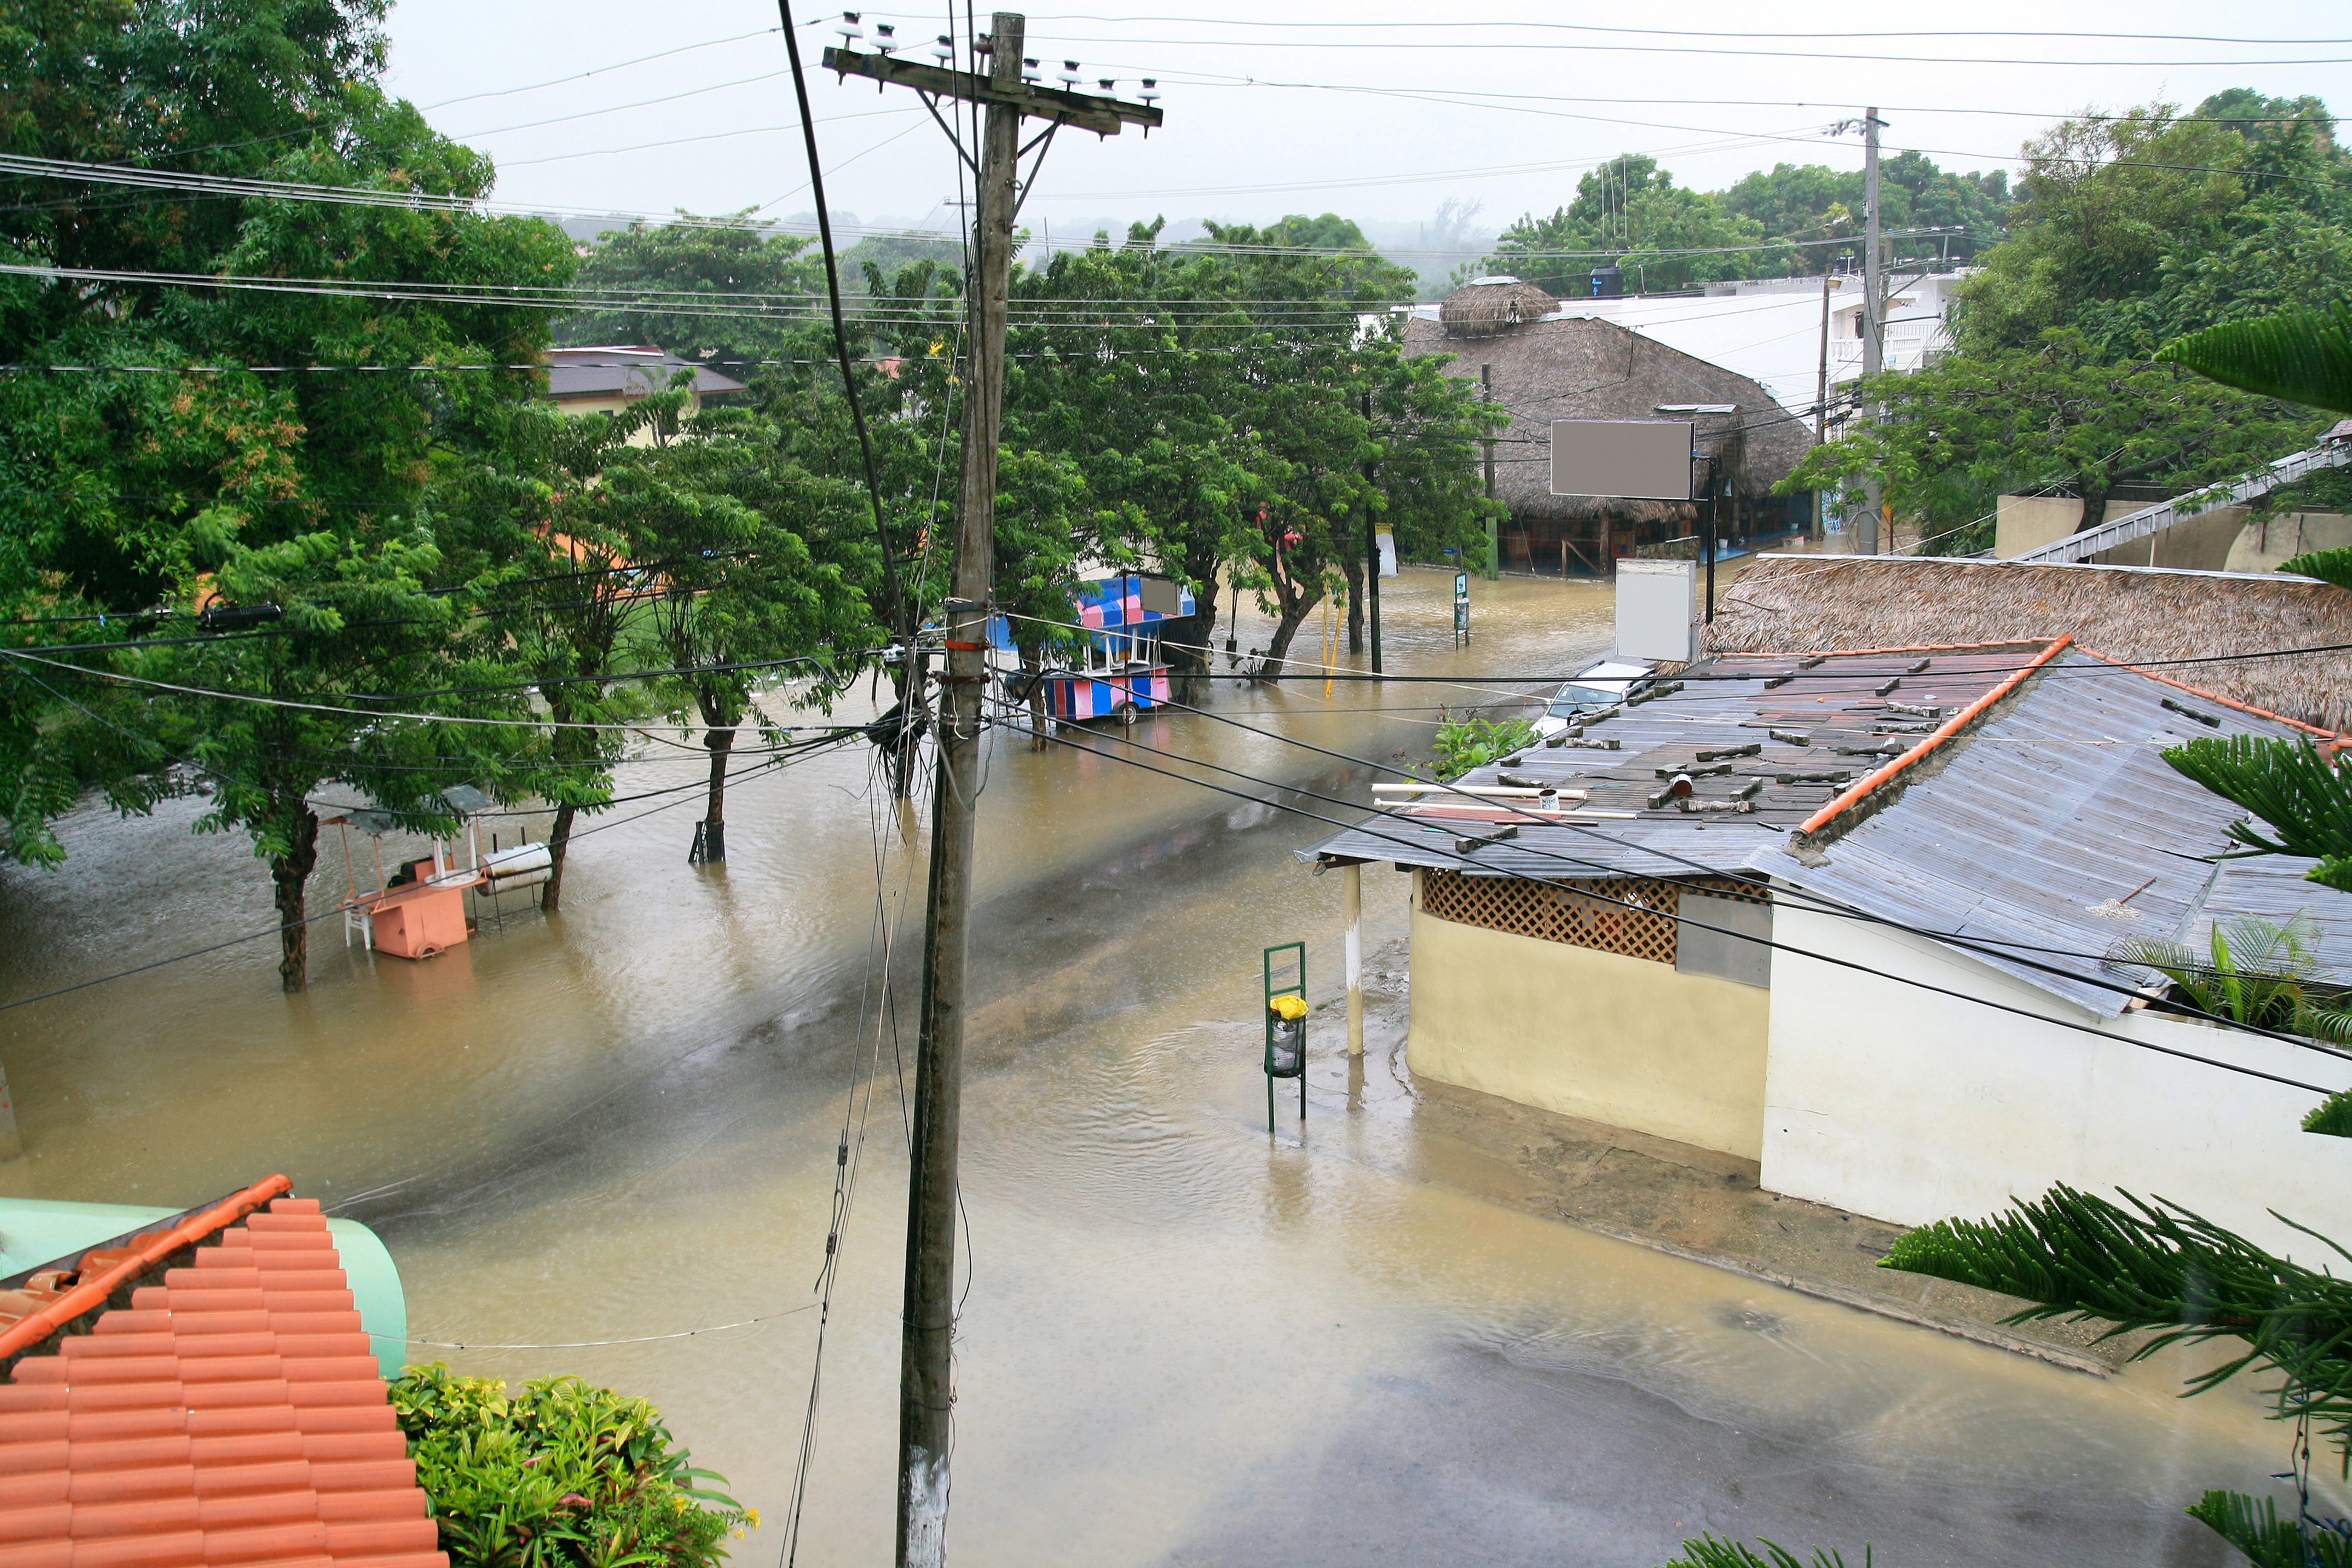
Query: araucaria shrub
{"type": "Point", "coordinates": [564, 1475]}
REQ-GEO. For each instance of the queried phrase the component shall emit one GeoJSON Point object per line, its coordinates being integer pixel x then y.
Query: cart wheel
{"type": "Point", "coordinates": [1125, 713]}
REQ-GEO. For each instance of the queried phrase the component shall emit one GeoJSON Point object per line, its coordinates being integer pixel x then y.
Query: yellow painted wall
{"type": "Point", "coordinates": [1597, 1035]}
{"type": "Point", "coordinates": [578, 407]}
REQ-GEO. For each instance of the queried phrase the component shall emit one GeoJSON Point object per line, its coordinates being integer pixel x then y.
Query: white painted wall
{"type": "Point", "coordinates": [1897, 1103]}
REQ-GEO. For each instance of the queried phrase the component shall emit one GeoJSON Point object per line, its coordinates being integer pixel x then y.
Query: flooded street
{"type": "Point", "coordinates": [1184, 1342]}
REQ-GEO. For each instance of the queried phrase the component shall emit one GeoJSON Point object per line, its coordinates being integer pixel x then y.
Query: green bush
{"type": "Point", "coordinates": [1475, 743]}
{"type": "Point", "coordinates": [565, 1475]}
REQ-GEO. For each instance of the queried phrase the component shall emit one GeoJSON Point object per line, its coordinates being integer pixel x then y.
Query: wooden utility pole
{"type": "Point", "coordinates": [1874, 312]}
{"type": "Point", "coordinates": [926, 1332]}
{"type": "Point", "coordinates": [1372, 549]}
{"type": "Point", "coordinates": [1494, 528]}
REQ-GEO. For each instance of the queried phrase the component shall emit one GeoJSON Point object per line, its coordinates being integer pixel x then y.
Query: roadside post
{"type": "Point", "coordinates": [1461, 609]}
{"type": "Point", "coordinates": [1285, 1021]}
{"type": "Point", "coordinates": [1352, 887]}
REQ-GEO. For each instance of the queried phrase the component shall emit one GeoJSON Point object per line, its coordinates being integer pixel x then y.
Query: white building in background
{"type": "Point", "coordinates": [1769, 329]}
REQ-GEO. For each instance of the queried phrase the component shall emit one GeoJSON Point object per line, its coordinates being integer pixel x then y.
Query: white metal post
{"type": "Point", "coordinates": [1352, 886]}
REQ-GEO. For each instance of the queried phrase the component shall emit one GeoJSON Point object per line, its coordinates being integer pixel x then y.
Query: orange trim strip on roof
{"type": "Point", "coordinates": [92, 1294]}
{"type": "Point", "coordinates": [1859, 652]}
{"type": "Point", "coordinates": [1941, 732]}
{"type": "Point", "coordinates": [2217, 697]}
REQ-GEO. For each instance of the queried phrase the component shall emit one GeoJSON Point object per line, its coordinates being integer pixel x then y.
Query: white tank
{"type": "Point", "coordinates": [501, 865]}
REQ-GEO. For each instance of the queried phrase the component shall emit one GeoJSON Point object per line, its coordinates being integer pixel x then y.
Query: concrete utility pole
{"type": "Point", "coordinates": [926, 1334]}
{"type": "Point", "coordinates": [1873, 312]}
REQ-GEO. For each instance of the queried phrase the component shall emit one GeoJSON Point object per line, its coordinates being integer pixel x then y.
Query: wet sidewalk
{"type": "Point", "coordinates": [1672, 1197]}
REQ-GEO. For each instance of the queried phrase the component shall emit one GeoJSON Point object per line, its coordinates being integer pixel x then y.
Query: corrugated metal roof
{"type": "Point", "coordinates": [2048, 833]}
{"type": "Point", "coordinates": [625, 373]}
{"type": "Point", "coordinates": [1828, 714]}
{"type": "Point", "coordinates": [2058, 827]}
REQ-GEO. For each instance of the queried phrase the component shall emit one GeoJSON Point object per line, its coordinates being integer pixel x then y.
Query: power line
{"type": "Point", "coordinates": [1983, 946]}
{"type": "Point", "coordinates": [1305, 669]}
{"type": "Point", "coordinates": [1588, 48]}
{"type": "Point", "coordinates": [1453, 25]}
{"type": "Point", "coordinates": [613, 677]}
{"type": "Point", "coordinates": [597, 70]}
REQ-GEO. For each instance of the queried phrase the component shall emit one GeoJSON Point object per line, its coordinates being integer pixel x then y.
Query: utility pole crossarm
{"type": "Point", "coordinates": [1103, 116]}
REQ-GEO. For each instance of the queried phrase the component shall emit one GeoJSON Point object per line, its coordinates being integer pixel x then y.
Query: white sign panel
{"type": "Point", "coordinates": [1655, 609]}
{"type": "Point", "coordinates": [1645, 459]}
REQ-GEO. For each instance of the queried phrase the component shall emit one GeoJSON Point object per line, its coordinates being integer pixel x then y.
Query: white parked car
{"type": "Point", "coordinates": [1597, 687]}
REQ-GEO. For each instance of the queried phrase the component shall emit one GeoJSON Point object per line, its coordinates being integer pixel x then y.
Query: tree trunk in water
{"type": "Point", "coordinates": [289, 873]}
{"type": "Point", "coordinates": [559, 839]}
{"type": "Point", "coordinates": [1355, 571]}
{"type": "Point", "coordinates": [721, 744]}
{"type": "Point", "coordinates": [1293, 618]}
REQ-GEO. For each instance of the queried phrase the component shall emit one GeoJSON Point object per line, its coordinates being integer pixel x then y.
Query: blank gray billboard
{"type": "Point", "coordinates": [1648, 459]}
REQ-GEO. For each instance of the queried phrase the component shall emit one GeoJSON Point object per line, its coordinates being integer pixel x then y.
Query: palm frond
{"type": "Point", "coordinates": [2328, 565]}
{"type": "Point", "coordinates": [2159, 1266]}
{"type": "Point", "coordinates": [2270, 1542]}
{"type": "Point", "coordinates": [2299, 794]}
{"type": "Point", "coordinates": [2332, 1116]}
{"type": "Point", "coordinates": [2300, 357]}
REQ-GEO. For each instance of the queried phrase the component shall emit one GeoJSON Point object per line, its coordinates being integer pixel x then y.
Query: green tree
{"type": "Point", "coordinates": [743, 557]}
{"type": "Point", "coordinates": [762, 286]}
{"type": "Point", "coordinates": [1630, 211]}
{"type": "Point", "coordinates": [1951, 438]}
{"type": "Point", "coordinates": [312, 491]}
{"type": "Point", "coordinates": [548, 524]}
{"type": "Point", "coordinates": [2105, 203]}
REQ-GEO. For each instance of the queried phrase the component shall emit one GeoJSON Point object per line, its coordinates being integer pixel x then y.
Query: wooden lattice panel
{"type": "Point", "coordinates": [1631, 915]}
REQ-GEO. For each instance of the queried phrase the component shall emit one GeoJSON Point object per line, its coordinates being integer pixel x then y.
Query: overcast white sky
{"type": "Point", "coordinates": [1322, 113]}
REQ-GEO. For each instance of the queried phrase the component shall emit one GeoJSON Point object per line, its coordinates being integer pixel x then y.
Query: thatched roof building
{"type": "Point", "coordinates": [2133, 615]}
{"type": "Point", "coordinates": [1551, 367]}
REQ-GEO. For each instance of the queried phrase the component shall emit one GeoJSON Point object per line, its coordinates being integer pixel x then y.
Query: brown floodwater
{"type": "Point", "coordinates": [1184, 1342]}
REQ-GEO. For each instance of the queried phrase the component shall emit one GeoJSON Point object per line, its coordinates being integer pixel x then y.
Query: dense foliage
{"type": "Point", "coordinates": [1200, 411]}
{"type": "Point", "coordinates": [2129, 231]}
{"type": "Point", "coordinates": [1771, 224]}
{"type": "Point", "coordinates": [564, 1475]}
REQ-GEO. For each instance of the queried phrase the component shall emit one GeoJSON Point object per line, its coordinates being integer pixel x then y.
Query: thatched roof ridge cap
{"type": "Point", "coordinates": [1488, 308]}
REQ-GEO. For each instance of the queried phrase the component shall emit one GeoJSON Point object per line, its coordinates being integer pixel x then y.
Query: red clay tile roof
{"type": "Point", "coordinates": [232, 1415]}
